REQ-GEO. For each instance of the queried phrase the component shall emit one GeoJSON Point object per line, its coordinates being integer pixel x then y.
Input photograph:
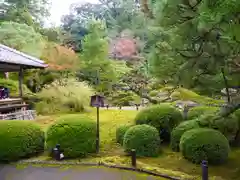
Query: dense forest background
{"type": "Point", "coordinates": [131, 51]}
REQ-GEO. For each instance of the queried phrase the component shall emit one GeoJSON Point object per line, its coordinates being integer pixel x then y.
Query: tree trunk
{"type": "Point", "coordinates": [226, 111]}
{"type": "Point", "coordinates": [226, 85]}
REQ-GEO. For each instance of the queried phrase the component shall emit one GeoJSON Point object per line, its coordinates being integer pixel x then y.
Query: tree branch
{"type": "Point", "coordinates": [226, 85]}
{"type": "Point", "coordinates": [226, 111]}
{"type": "Point", "coordinates": [189, 50]}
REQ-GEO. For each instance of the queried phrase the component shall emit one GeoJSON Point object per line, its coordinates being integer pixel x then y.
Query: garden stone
{"type": "Point", "coordinates": [145, 101]}
{"type": "Point", "coordinates": [190, 104]}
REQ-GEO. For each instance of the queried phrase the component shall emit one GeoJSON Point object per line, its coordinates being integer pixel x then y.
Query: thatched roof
{"type": "Point", "coordinates": [12, 60]}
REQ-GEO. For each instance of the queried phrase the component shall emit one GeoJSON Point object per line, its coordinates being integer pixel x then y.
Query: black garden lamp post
{"type": "Point", "coordinates": [97, 101]}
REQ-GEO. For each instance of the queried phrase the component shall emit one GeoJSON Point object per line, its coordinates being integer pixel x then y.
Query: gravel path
{"type": "Point", "coordinates": [9, 172]}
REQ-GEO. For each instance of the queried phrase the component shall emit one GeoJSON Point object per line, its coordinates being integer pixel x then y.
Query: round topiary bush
{"type": "Point", "coordinates": [144, 139]}
{"type": "Point", "coordinates": [76, 135]}
{"type": "Point", "coordinates": [164, 117]}
{"type": "Point", "coordinates": [204, 144]}
{"type": "Point", "coordinates": [198, 111]}
{"type": "Point", "coordinates": [120, 132]}
{"type": "Point", "coordinates": [20, 139]}
{"type": "Point", "coordinates": [228, 126]}
{"type": "Point", "coordinates": [179, 131]}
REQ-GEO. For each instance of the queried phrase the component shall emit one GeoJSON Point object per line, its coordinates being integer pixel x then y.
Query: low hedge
{"type": "Point", "coordinates": [76, 135]}
{"type": "Point", "coordinates": [20, 139]}
{"type": "Point", "coordinates": [144, 139]}
{"type": "Point", "coordinates": [179, 131]}
{"type": "Point", "coordinates": [120, 132]}
{"type": "Point", "coordinates": [163, 117]}
{"type": "Point", "coordinates": [204, 144]}
{"type": "Point", "coordinates": [198, 111]}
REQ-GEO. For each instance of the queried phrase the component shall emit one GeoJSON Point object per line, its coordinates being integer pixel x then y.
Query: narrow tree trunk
{"type": "Point", "coordinates": [226, 85]}
{"type": "Point", "coordinates": [229, 110]}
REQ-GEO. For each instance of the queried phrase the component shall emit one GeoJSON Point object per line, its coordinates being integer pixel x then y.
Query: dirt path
{"type": "Point", "coordinates": [57, 173]}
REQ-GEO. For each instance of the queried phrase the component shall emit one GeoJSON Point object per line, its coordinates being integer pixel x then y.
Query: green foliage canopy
{"type": "Point", "coordinates": [22, 37]}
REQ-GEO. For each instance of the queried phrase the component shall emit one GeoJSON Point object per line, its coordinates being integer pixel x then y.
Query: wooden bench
{"type": "Point", "coordinates": [12, 107]}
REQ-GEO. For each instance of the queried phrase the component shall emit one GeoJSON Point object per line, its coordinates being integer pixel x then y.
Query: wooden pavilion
{"type": "Point", "coordinates": [12, 60]}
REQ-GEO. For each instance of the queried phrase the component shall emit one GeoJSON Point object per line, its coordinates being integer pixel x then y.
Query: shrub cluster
{"type": "Point", "coordinates": [163, 117]}
{"type": "Point", "coordinates": [75, 134]}
{"type": "Point", "coordinates": [179, 131]}
{"type": "Point", "coordinates": [204, 144]}
{"type": "Point", "coordinates": [65, 95]}
{"type": "Point", "coordinates": [120, 132]}
{"type": "Point", "coordinates": [228, 126]}
{"type": "Point", "coordinates": [144, 139]}
{"type": "Point", "coordinates": [19, 139]}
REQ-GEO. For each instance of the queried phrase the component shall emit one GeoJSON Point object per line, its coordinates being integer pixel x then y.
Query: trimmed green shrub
{"type": "Point", "coordinates": [76, 135]}
{"type": "Point", "coordinates": [179, 131]}
{"type": "Point", "coordinates": [228, 126]}
{"type": "Point", "coordinates": [144, 139]}
{"type": "Point", "coordinates": [120, 132]}
{"type": "Point", "coordinates": [198, 111]}
{"type": "Point", "coordinates": [204, 144]}
{"type": "Point", "coordinates": [20, 139]}
{"type": "Point", "coordinates": [164, 117]}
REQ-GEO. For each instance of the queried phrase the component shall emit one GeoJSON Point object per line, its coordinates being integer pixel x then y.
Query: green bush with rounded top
{"type": "Point", "coordinates": [20, 139]}
{"type": "Point", "coordinates": [179, 131]}
{"type": "Point", "coordinates": [163, 117]}
{"type": "Point", "coordinates": [120, 132]}
{"type": "Point", "coordinates": [228, 126]}
{"type": "Point", "coordinates": [144, 139]}
{"type": "Point", "coordinates": [75, 134]}
{"type": "Point", "coordinates": [207, 144]}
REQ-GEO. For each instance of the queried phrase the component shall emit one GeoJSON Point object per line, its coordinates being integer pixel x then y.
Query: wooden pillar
{"type": "Point", "coordinates": [20, 81]}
